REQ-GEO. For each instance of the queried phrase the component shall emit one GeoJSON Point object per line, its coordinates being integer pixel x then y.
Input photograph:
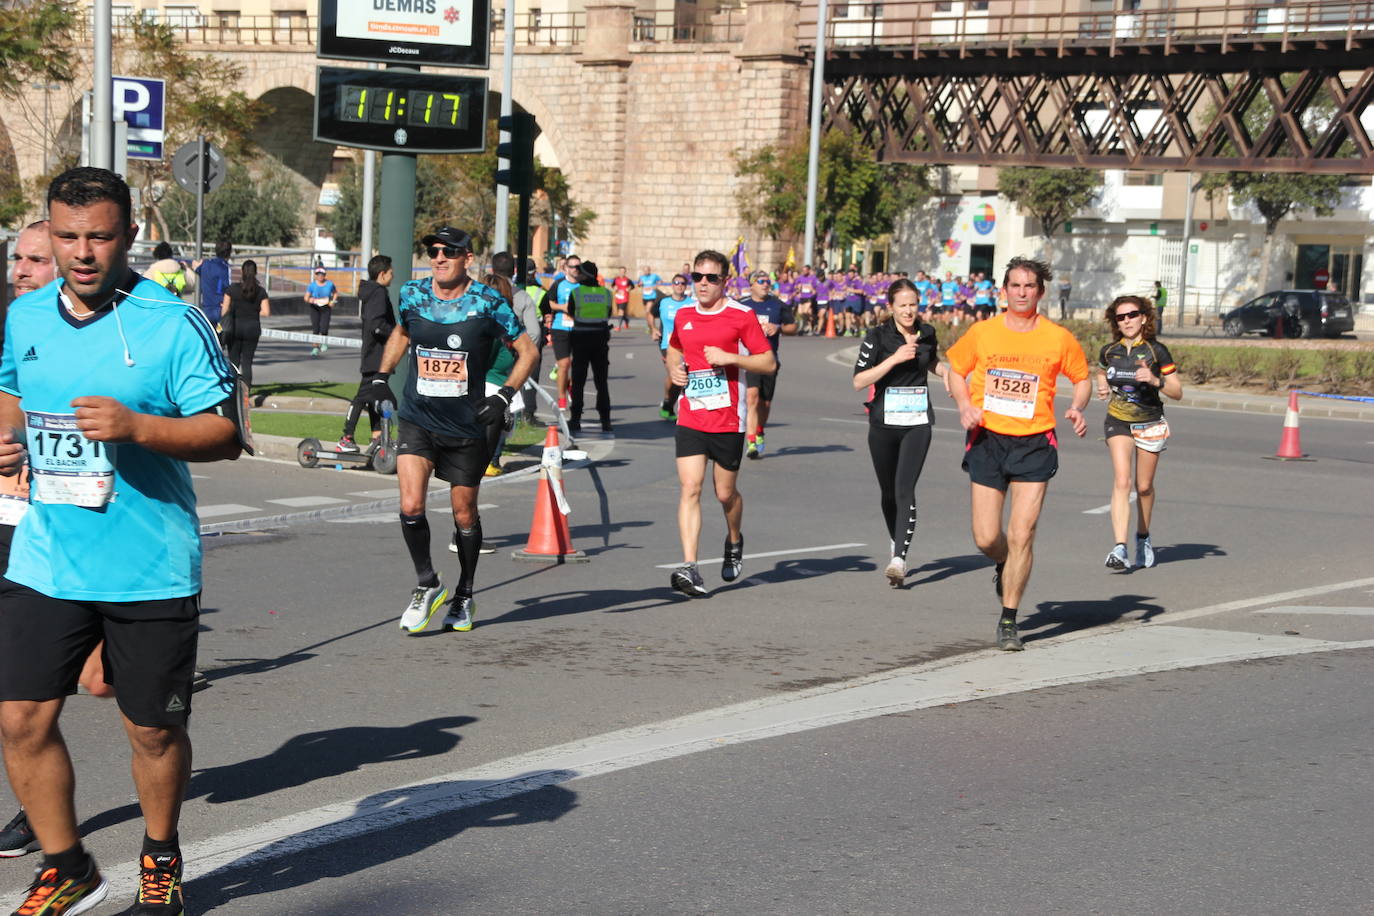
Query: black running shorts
{"type": "Point", "coordinates": [994, 459]}
{"type": "Point", "coordinates": [149, 654]}
{"type": "Point", "coordinates": [766, 383]}
{"type": "Point", "coordinates": [725, 449]}
{"type": "Point", "coordinates": [562, 344]}
{"type": "Point", "coordinates": [461, 462]}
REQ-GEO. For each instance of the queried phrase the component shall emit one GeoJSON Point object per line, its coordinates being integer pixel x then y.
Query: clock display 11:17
{"type": "Point", "coordinates": [417, 107]}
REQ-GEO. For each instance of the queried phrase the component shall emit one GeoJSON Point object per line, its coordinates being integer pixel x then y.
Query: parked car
{"type": "Point", "coordinates": [1300, 312]}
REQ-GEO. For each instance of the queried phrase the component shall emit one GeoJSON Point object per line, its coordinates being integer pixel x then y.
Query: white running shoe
{"type": "Point", "coordinates": [462, 612]}
{"type": "Point", "coordinates": [423, 603]}
{"type": "Point", "coordinates": [1117, 559]}
{"type": "Point", "coordinates": [895, 572]}
{"type": "Point", "coordinates": [1144, 552]}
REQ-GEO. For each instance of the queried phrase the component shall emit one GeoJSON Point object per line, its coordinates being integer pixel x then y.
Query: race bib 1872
{"type": "Point", "coordinates": [441, 373]}
{"type": "Point", "coordinates": [68, 468]}
{"type": "Point", "coordinates": [1011, 393]}
{"type": "Point", "coordinates": [906, 406]}
{"type": "Point", "coordinates": [707, 389]}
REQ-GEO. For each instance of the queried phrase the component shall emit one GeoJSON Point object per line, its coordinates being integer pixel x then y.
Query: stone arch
{"type": "Point", "coordinates": [287, 134]}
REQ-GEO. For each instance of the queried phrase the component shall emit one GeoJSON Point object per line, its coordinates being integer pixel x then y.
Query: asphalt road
{"type": "Point", "coordinates": [1187, 738]}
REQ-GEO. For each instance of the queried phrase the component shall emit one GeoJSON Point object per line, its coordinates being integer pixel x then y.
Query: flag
{"type": "Point", "coordinates": [791, 263]}
{"type": "Point", "coordinates": [739, 261]}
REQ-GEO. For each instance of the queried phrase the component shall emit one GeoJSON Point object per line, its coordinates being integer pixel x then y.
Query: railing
{"type": "Point", "coordinates": [218, 29]}
{"type": "Point", "coordinates": [686, 25]}
{"type": "Point", "coordinates": [1067, 26]}
{"type": "Point", "coordinates": [549, 30]}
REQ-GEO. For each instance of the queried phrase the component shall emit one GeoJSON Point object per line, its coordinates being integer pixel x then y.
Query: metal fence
{"type": "Point", "coordinates": [1068, 26]}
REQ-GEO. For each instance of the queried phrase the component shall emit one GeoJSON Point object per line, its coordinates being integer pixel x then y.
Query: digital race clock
{"type": "Point", "coordinates": [394, 110]}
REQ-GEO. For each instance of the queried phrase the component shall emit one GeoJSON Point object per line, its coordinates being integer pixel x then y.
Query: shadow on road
{"type": "Point", "coordinates": [1179, 553]}
{"type": "Point", "coordinates": [284, 864]}
{"type": "Point", "coordinates": [946, 567]}
{"type": "Point", "coordinates": [306, 758]}
{"type": "Point", "coordinates": [1064, 617]}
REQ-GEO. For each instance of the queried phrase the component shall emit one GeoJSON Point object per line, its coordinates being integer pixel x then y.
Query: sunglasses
{"type": "Point", "coordinates": [1123, 316]}
{"type": "Point", "coordinates": [449, 251]}
{"type": "Point", "coordinates": [709, 278]}
{"type": "Point", "coordinates": [679, 282]}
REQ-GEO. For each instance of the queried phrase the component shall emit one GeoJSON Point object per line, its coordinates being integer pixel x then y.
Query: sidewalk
{"type": "Point", "coordinates": [1275, 403]}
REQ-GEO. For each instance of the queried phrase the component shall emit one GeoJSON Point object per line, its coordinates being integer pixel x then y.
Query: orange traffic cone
{"type": "Point", "coordinates": [829, 323]}
{"type": "Point", "coordinates": [1290, 444]}
{"type": "Point", "coordinates": [550, 541]}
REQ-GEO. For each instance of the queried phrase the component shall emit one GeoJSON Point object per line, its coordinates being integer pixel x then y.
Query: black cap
{"type": "Point", "coordinates": [447, 235]}
{"type": "Point", "coordinates": [587, 269]}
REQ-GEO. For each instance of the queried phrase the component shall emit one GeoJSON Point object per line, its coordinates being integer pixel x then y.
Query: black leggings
{"type": "Point", "coordinates": [241, 353]}
{"type": "Point", "coordinates": [319, 319]}
{"type": "Point", "coordinates": [899, 454]}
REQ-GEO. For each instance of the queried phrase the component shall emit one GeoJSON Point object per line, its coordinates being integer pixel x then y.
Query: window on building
{"type": "Point", "coordinates": [1144, 179]}
{"type": "Point", "coordinates": [175, 15]}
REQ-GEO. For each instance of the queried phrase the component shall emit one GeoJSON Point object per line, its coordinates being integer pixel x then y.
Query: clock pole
{"type": "Point", "coordinates": [396, 219]}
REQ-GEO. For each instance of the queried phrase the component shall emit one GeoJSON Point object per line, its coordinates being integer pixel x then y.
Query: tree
{"type": "Point", "coordinates": [1049, 195]}
{"type": "Point", "coordinates": [858, 197]}
{"type": "Point", "coordinates": [460, 191]}
{"type": "Point", "coordinates": [1277, 195]}
{"type": "Point", "coordinates": [35, 45]}
{"type": "Point", "coordinates": [200, 100]}
{"type": "Point", "coordinates": [555, 206]}
{"type": "Point", "coordinates": [252, 207]}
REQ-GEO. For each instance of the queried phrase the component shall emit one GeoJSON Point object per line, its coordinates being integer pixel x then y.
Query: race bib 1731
{"type": "Point", "coordinates": [68, 468]}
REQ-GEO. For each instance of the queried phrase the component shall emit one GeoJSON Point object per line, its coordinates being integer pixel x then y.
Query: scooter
{"type": "Point", "coordinates": [380, 453]}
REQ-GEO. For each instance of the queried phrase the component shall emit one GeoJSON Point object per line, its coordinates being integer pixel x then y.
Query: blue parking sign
{"type": "Point", "coordinates": [141, 103]}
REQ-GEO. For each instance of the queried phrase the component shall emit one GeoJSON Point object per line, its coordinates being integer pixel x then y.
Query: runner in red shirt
{"type": "Point", "coordinates": [714, 343]}
{"type": "Point", "coordinates": [620, 290]}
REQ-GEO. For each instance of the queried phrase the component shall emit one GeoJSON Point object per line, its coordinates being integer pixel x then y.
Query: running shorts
{"type": "Point", "coordinates": [149, 653]}
{"type": "Point", "coordinates": [994, 459]}
{"type": "Point", "coordinates": [1150, 436]}
{"type": "Point", "coordinates": [562, 344]}
{"type": "Point", "coordinates": [725, 449]}
{"type": "Point", "coordinates": [461, 462]}
{"type": "Point", "coordinates": [765, 383]}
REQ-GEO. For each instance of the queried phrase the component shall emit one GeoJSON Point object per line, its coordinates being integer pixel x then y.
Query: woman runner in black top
{"type": "Point", "coordinates": [1132, 371]}
{"type": "Point", "coordinates": [896, 358]}
{"type": "Point", "coordinates": [245, 305]}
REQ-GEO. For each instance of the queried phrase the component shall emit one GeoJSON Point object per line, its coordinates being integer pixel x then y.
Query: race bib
{"type": "Point", "coordinates": [12, 509]}
{"type": "Point", "coordinates": [707, 389]}
{"type": "Point", "coordinates": [763, 319]}
{"type": "Point", "coordinates": [68, 468]}
{"type": "Point", "coordinates": [906, 406]}
{"type": "Point", "coordinates": [1011, 393]}
{"type": "Point", "coordinates": [1151, 436]}
{"type": "Point", "coordinates": [441, 373]}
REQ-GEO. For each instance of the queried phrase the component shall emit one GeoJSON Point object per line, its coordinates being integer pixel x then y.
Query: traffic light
{"type": "Point", "coordinates": [519, 152]}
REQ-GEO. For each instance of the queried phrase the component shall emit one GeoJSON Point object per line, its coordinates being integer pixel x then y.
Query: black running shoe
{"type": "Point", "coordinates": [733, 562]}
{"type": "Point", "coordinates": [17, 838]}
{"type": "Point", "coordinates": [1008, 639]}
{"type": "Point", "coordinates": [997, 578]}
{"type": "Point", "coordinates": [159, 886]}
{"type": "Point", "coordinates": [687, 579]}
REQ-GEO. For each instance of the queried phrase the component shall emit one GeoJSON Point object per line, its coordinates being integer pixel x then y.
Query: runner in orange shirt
{"type": "Point", "coordinates": [1002, 376]}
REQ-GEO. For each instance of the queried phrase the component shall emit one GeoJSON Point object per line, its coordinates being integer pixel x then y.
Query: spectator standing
{"type": "Point", "coordinates": [214, 280]}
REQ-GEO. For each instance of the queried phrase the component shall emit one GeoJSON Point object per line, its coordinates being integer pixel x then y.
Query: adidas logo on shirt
{"type": "Point", "coordinates": [32, 354]}
{"type": "Point", "coordinates": [687, 326]}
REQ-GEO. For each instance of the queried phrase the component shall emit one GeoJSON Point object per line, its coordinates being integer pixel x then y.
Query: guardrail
{"type": "Point", "coordinates": [681, 25]}
{"type": "Point", "coordinates": [939, 26]}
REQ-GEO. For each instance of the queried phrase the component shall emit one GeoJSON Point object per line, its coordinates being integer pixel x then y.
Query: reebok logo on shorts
{"type": "Point", "coordinates": [175, 703]}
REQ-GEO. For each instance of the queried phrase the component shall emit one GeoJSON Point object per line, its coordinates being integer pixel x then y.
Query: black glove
{"type": "Point", "coordinates": [380, 390]}
{"type": "Point", "coordinates": [492, 411]}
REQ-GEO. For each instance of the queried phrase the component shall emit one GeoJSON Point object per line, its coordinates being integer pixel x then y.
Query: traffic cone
{"type": "Point", "coordinates": [829, 323]}
{"type": "Point", "coordinates": [550, 541]}
{"type": "Point", "coordinates": [1290, 443]}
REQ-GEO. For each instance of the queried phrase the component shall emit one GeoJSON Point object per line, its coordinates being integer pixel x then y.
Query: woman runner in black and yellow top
{"type": "Point", "coordinates": [1132, 372]}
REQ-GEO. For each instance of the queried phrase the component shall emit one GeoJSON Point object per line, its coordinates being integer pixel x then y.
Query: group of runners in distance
{"type": "Point", "coordinates": [103, 577]}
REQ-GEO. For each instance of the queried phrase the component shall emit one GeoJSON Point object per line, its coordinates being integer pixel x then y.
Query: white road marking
{"type": "Point", "coordinates": [1121, 650]}
{"type": "Point", "coordinates": [304, 502]}
{"type": "Point", "coordinates": [1318, 609]}
{"type": "Point", "coordinates": [770, 553]}
{"type": "Point", "coordinates": [223, 509]}
{"type": "Point", "coordinates": [388, 518]}
{"type": "Point", "coordinates": [1103, 510]}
